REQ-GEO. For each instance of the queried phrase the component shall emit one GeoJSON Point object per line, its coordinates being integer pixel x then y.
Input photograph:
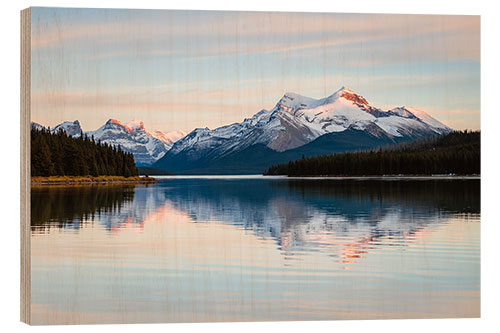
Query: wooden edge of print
{"type": "Point", "coordinates": [25, 165]}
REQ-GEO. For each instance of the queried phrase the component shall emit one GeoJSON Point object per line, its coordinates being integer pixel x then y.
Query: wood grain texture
{"type": "Point", "coordinates": [210, 250]}
{"type": "Point", "coordinates": [25, 165]}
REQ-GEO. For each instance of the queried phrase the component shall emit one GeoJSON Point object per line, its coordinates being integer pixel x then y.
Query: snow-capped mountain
{"type": "Point", "coordinates": [296, 121]}
{"type": "Point", "coordinates": [72, 128]}
{"type": "Point", "coordinates": [342, 110]}
{"type": "Point", "coordinates": [36, 126]}
{"type": "Point", "coordinates": [146, 147]}
{"type": "Point", "coordinates": [169, 137]}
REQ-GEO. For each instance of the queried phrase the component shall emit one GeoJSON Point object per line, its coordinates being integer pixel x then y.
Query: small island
{"type": "Point", "coordinates": [59, 159]}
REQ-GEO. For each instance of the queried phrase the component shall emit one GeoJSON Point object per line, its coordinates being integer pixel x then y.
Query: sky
{"type": "Point", "coordinates": [180, 70]}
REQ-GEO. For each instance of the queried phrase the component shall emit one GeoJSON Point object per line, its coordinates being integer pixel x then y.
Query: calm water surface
{"type": "Point", "coordinates": [197, 249]}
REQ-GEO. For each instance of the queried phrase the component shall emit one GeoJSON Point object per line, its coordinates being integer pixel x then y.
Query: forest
{"type": "Point", "coordinates": [57, 154]}
{"type": "Point", "coordinates": [454, 153]}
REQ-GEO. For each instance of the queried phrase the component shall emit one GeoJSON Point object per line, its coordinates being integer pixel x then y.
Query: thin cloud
{"type": "Point", "coordinates": [137, 63]}
{"type": "Point", "coordinates": [308, 31]}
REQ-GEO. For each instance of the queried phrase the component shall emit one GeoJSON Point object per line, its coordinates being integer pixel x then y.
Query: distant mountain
{"type": "Point", "coordinates": [72, 128]}
{"type": "Point", "coordinates": [146, 147]}
{"type": "Point", "coordinates": [36, 126]}
{"type": "Point", "coordinates": [53, 154]}
{"type": "Point", "coordinates": [169, 137]}
{"type": "Point", "coordinates": [343, 121]}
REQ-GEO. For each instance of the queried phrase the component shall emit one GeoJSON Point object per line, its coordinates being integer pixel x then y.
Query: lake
{"type": "Point", "coordinates": [253, 248]}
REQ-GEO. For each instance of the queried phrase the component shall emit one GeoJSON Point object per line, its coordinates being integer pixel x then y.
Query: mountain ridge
{"type": "Point", "coordinates": [294, 122]}
{"type": "Point", "coordinates": [147, 147]}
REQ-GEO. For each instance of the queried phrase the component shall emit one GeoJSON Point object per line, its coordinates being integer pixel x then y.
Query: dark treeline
{"type": "Point", "coordinates": [67, 206]}
{"type": "Point", "coordinates": [152, 171]}
{"type": "Point", "coordinates": [57, 154]}
{"type": "Point", "coordinates": [453, 153]}
{"type": "Point", "coordinates": [449, 195]}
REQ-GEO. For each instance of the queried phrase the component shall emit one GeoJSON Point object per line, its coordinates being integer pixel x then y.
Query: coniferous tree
{"type": "Point", "coordinates": [58, 154]}
{"type": "Point", "coordinates": [40, 156]}
{"type": "Point", "coordinates": [454, 153]}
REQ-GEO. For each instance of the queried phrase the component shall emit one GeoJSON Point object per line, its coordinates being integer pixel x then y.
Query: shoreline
{"type": "Point", "coordinates": [387, 177]}
{"type": "Point", "coordinates": [380, 177]}
{"type": "Point", "coordinates": [91, 180]}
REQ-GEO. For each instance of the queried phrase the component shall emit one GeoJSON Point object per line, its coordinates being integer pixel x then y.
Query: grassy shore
{"type": "Point", "coordinates": [61, 180]}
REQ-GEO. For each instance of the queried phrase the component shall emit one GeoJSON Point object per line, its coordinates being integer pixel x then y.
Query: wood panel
{"type": "Point", "coordinates": [25, 165]}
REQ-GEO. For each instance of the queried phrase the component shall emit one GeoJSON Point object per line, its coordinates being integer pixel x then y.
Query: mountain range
{"type": "Point", "coordinates": [297, 126]}
{"type": "Point", "coordinates": [147, 147]}
{"type": "Point", "coordinates": [294, 127]}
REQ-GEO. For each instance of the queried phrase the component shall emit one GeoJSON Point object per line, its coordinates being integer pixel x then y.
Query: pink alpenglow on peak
{"type": "Point", "coordinates": [297, 120]}
{"type": "Point", "coordinates": [136, 124]}
{"type": "Point", "coordinates": [291, 102]}
{"type": "Point", "coordinates": [133, 137]}
{"type": "Point", "coordinates": [351, 96]}
{"type": "Point", "coordinates": [114, 121]}
{"type": "Point", "coordinates": [169, 137]}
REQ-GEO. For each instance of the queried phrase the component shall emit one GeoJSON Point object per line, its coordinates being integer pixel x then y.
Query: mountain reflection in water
{"type": "Point", "coordinates": [299, 214]}
{"type": "Point", "coordinates": [198, 249]}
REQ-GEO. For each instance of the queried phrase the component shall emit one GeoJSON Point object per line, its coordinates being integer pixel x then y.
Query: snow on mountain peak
{"type": "Point", "coordinates": [136, 124]}
{"type": "Point", "coordinates": [402, 111]}
{"type": "Point", "coordinates": [303, 119]}
{"type": "Point", "coordinates": [296, 121]}
{"type": "Point", "coordinates": [342, 90]}
{"type": "Point", "coordinates": [353, 97]}
{"type": "Point", "coordinates": [112, 122]}
{"type": "Point", "coordinates": [131, 126]}
{"type": "Point", "coordinates": [69, 123]}
{"type": "Point", "coordinates": [347, 94]}
{"type": "Point", "coordinates": [168, 137]}
{"type": "Point", "coordinates": [292, 101]}
{"type": "Point", "coordinates": [425, 117]}
{"type": "Point", "coordinates": [72, 128]}
{"type": "Point", "coordinates": [339, 110]}
{"type": "Point", "coordinates": [36, 126]}
{"type": "Point", "coordinates": [133, 137]}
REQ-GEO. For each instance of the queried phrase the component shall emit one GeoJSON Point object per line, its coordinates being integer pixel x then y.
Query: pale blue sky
{"type": "Point", "coordinates": [187, 69]}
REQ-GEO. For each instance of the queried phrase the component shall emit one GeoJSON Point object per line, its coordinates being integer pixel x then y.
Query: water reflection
{"type": "Point", "coordinates": [342, 217]}
{"type": "Point", "coordinates": [190, 250]}
{"type": "Point", "coordinates": [72, 207]}
{"type": "Point", "coordinates": [339, 216]}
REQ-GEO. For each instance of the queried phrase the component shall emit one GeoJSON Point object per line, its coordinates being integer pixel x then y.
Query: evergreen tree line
{"type": "Point", "coordinates": [57, 154]}
{"type": "Point", "coordinates": [49, 205]}
{"type": "Point", "coordinates": [453, 153]}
